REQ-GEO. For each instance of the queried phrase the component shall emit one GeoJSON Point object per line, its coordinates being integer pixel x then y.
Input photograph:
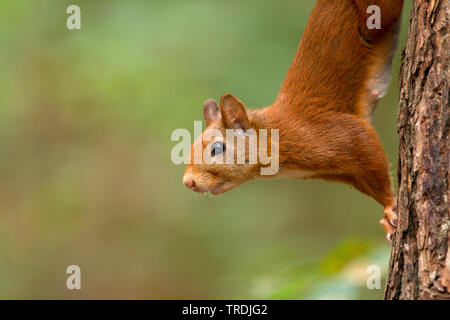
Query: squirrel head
{"type": "Point", "coordinates": [218, 162]}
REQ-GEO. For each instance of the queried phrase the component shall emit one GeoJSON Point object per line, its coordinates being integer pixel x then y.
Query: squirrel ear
{"type": "Point", "coordinates": [234, 113]}
{"type": "Point", "coordinates": [211, 111]}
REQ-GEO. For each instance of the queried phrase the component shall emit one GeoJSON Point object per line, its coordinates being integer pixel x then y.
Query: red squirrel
{"type": "Point", "coordinates": [323, 110]}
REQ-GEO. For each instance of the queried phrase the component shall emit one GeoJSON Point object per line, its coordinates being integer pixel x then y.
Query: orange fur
{"type": "Point", "coordinates": [324, 107]}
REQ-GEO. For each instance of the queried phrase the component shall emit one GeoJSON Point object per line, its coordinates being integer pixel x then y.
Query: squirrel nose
{"type": "Point", "coordinates": [189, 182]}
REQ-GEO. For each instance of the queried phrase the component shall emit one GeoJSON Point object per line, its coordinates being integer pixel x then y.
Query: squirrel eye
{"type": "Point", "coordinates": [217, 148]}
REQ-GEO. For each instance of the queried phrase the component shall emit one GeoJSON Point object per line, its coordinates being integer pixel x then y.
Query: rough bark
{"type": "Point", "coordinates": [420, 257]}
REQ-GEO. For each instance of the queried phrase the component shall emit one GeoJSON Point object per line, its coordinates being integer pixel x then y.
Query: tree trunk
{"type": "Point", "coordinates": [420, 257]}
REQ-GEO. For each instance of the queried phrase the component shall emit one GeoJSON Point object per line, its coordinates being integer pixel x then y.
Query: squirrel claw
{"type": "Point", "coordinates": [391, 216]}
{"type": "Point", "coordinates": [388, 228]}
{"type": "Point", "coordinates": [389, 221]}
{"type": "Point", "coordinates": [389, 237]}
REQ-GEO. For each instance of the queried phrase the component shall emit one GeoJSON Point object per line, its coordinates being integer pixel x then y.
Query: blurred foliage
{"type": "Point", "coordinates": [85, 123]}
{"type": "Point", "coordinates": [340, 274]}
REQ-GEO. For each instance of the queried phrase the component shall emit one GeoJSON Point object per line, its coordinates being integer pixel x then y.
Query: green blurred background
{"type": "Point", "coordinates": [86, 176]}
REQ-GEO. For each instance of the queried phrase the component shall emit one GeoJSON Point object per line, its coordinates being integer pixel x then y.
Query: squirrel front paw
{"type": "Point", "coordinates": [389, 221]}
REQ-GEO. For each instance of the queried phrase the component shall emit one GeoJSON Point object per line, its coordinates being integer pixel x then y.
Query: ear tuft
{"type": "Point", "coordinates": [211, 111]}
{"type": "Point", "coordinates": [234, 113]}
